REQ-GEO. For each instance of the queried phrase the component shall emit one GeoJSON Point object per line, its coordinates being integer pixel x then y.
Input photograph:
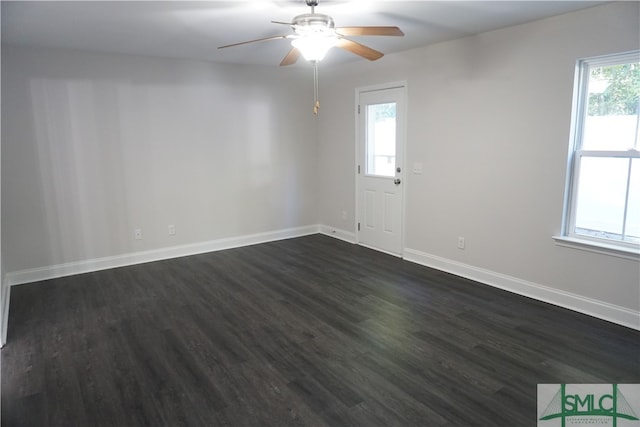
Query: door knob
{"type": "Point", "coordinates": [397, 181]}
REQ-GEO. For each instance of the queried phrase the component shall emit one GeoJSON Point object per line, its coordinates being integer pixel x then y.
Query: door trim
{"type": "Point", "coordinates": [400, 84]}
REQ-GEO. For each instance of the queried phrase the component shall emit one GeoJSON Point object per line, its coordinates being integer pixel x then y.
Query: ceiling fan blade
{"type": "Point", "coordinates": [359, 49]}
{"type": "Point", "coordinates": [253, 41]}
{"type": "Point", "coordinates": [291, 57]}
{"type": "Point", "coordinates": [280, 22]}
{"type": "Point", "coordinates": [370, 31]}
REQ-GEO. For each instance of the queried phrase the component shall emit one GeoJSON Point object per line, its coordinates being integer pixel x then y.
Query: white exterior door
{"type": "Point", "coordinates": [380, 141]}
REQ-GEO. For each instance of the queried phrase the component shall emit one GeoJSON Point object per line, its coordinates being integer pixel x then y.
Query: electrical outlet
{"type": "Point", "coordinates": [344, 215]}
{"type": "Point", "coordinates": [460, 242]}
{"type": "Point", "coordinates": [172, 230]}
{"type": "Point", "coordinates": [138, 233]}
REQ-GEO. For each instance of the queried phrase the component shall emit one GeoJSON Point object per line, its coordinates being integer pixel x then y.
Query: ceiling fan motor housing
{"type": "Point", "coordinates": [313, 23]}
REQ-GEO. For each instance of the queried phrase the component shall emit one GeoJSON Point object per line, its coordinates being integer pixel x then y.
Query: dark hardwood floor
{"type": "Point", "coordinates": [309, 331]}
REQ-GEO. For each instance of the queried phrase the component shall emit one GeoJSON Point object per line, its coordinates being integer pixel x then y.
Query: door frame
{"type": "Point", "coordinates": [400, 84]}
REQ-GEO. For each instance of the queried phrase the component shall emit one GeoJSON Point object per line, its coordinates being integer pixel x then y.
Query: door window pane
{"type": "Point", "coordinates": [381, 139]}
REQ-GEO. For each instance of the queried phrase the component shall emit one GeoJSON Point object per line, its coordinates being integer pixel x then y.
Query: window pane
{"type": "Point", "coordinates": [611, 122]}
{"type": "Point", "coordinates": [632, 231]}
{"type": "Point", "coordinates": [601, 196]}
{"type": "Point", "coordinates": [381, 139]}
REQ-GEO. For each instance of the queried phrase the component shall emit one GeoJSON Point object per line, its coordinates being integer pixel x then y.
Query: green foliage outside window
{"type": "Point", "coordinates": [622, 93]}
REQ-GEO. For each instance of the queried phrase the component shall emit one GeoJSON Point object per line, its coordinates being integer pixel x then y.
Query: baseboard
{"type": "Point", "coordinates": [4, 322]}
{"type": "Point", "coordinates": [86, 266]}
{"type": "Point", "coordinates": [337, 233]}
{"type": "Point", "coordinates": [602, 310]}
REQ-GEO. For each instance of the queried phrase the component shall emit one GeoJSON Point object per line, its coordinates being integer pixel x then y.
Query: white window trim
{"type": "Point", "coordinates": [599, 247]}
{"type": "Point", "coordinates": [624, 250]}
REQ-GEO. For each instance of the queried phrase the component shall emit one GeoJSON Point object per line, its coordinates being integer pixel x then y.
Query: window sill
{"type": "Point", "coordinates": [597, 247]}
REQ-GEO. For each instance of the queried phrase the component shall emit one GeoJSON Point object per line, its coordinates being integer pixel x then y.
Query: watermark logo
{"type": "Point", "coordinates": [577, 405]}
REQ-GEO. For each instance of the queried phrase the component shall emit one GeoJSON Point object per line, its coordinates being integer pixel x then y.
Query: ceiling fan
{"type": "Point", "coordinates": [315, 33]}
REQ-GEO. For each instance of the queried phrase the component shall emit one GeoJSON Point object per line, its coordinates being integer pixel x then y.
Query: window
{"type": "Point", "coordinates": [603, 187]}
{"type": "Point", "coordinates": [381, 139]}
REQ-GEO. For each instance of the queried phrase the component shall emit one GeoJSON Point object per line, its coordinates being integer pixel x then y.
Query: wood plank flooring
{"type": "Point", "coordinates": [302, 332]}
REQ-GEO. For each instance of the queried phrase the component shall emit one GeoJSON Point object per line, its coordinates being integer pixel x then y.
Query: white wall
{"type": "Point", "coordinates": [489, 118]}
{"type": "Point", "coordinates": [96, 145]}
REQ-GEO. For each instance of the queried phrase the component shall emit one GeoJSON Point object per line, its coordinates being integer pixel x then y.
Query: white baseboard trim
{"type": "Point", "coordinates": [337, 233]}
{"type": "Point", "coordinates": [4, 322]}
{"type": "Point", "coordinates": [602, 310]}
{"type": "Point", "coordinates": [87, 266]}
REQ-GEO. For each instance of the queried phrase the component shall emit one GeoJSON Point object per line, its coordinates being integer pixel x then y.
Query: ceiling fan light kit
{"type": "Point", "coordinates": [314, 48]}
{"type": "Point", "coordinates": [315, 34]}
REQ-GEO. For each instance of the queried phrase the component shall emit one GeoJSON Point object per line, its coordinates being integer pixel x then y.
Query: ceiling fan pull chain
{"type": "Point", "coordinates": [316, 104]}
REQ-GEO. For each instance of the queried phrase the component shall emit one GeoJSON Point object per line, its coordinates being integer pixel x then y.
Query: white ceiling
{"type": "Point", "coordinates": [194, 29]}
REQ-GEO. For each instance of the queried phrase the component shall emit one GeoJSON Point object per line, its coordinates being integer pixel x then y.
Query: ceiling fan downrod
{"type": "Point", "coordinates": [312, 4]}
